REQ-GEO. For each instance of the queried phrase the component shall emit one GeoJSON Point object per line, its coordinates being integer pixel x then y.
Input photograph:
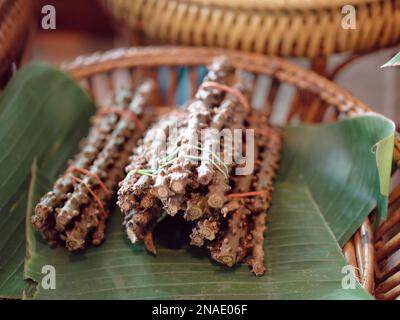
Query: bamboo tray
{"type": "Point", "coordinates": [314, 100]}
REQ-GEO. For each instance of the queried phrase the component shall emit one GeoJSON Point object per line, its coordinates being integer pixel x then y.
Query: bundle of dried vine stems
{"type": "Point", "coordinates": [244, 212]}
{"type": "Point", "coordinates": [177, 169]}
{"type": "Point", "coordinates": [75, 211]}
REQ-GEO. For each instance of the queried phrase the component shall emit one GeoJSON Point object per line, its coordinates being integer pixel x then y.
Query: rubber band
{"type": "Point", "coordinates": [93, 175]}
{"type": "Point", "coordinates": [95, 197]}
{"type": "Point", "coordinates": [123, 113]}
{"type": "Point", "coordinates": [247, 194]}
{"type": "Point", "coordinates": [233, 91]}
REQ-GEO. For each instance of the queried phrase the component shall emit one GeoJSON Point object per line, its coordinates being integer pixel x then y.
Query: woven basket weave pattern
{"type": "Point", "coordinates": [285, 28]}
{"type": "Point", "coordinates": [14, 23]}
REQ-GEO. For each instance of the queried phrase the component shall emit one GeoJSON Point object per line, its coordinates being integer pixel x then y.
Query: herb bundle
{"type": "Point", "coordinates": [172, 172]}
{"type": "Point", "coordinates": [75, 211]}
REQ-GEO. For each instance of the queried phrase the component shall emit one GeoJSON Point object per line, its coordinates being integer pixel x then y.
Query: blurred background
{"type": "Point", "coordinates": [82, 27]}
{"type": "Point", "coordinates": [85, 26]}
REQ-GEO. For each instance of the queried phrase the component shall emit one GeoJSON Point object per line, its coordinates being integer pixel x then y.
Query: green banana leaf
{"type": "Point", "coordinates": [331, 177]}
{"type": "Point", "coordinates": [394, 62]}
{"type": "Point", "coordinates": [43, 115]}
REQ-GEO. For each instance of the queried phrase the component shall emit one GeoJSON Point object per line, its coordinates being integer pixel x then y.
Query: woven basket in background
{"type": "Point", "coordinates": [15, 19]}
{"type": "Point", "coordinates": [301, 28]}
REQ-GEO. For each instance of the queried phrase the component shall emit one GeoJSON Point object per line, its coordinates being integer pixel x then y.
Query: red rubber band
{"type": "Point", "coordinates": [233, 91]}
{"type": "Point", "coordinates": [123, 113]}
{"type": "Point", "coordinates": [87, 172]}
{"type": "Point", "coordinates": [247, 194]}
{"type": "Point", "coordinates": [94, 195]}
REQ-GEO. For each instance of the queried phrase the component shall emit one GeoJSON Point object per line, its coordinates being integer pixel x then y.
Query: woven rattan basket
{"type": "Point", "coordinates": [15, 18]}
{"type": "Point", "coordinates": [315, 99]}
{"type": "Point", "coordinates": [302, 28]}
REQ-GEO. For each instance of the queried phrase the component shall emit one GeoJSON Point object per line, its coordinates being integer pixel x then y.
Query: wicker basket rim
{"type": "Point", "coordinates": [129, 57]}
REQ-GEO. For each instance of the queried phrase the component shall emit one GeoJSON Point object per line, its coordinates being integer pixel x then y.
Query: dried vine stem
{"type": "Point", "coordinates": [220, 120]}
{"type": "Point", "coordinates": [200, 113]}
{"type": "Point", "coordinates": [90, 148]}
{"type": "Point", "coordinates": [139, 191]}
{"type": "Point", "coordinates": [139, 226]}
{"type": "Point", "coordinates": [219, 186]}
{"type": "Point", "coordinates": [186, 178]}
{"type": "Point", "coordinates": [97, 228]}
{"type": "Point", "coordinates": [135, 189]}
{"type": "Point", "coordinates": [268, 169]}
{"type": "Point", "coordinates": [232, 248]}
{"type": "Point", "coordinates": [246, 211]}
{"type": "Point", "coordinates": [180, 180]}
{"type": "Point", "coordinates": [166, 177]}
{"type": "Point", "coordinates": [257, 251]}
{"type": "Point", "coordinates": [82, 214]}
{"type": "Point", "coordinates": [107, 157]}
